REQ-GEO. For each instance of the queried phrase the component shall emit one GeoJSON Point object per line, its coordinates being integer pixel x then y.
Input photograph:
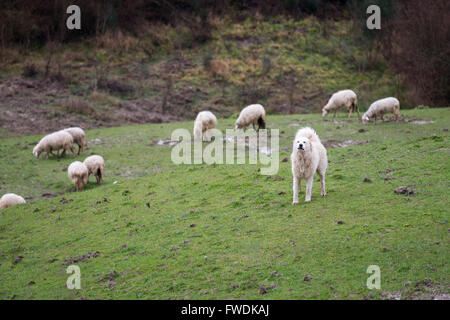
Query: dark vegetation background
{"type": "Point", "coordinates": [413, 45]}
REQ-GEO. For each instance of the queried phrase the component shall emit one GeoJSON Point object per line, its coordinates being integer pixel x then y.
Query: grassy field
{"type": "Point", "coordinates": [225, 231]}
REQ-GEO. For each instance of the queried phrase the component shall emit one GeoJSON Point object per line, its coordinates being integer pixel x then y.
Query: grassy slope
{"type": "Point", "coordinates": [244, 230]}
{"type": "Point", "coordinates": [293, 48]}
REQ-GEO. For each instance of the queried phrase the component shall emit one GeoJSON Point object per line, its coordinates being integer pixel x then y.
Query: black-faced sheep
{"type": "Point", "coordinates": [252, 114]}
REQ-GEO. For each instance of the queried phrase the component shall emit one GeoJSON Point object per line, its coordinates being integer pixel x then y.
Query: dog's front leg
{"type": "Point", "coordinates": [309, 183]}
{"type": "Point", "coordinates": [295, 185]}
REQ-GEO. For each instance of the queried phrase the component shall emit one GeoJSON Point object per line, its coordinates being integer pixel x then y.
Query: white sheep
{"type": "Point", "coordinates": [54, 141]}
{"type": "Point", "coordinates": [252, 114]}
{"type": "Point", "coordinates": [79, 174]}
{"type": "Point", "coordinates": [10, 199]}
{"type": "Point", "coordinates": [78, 137]}
{"type": "Point", "coordinates": [96, 166]}
{"type": "Point", "coordinates": [342, 99]}
{"type": "Point", "coordinates": [205, 121]}
{"type": "Point", "coordinates": [380, 107]}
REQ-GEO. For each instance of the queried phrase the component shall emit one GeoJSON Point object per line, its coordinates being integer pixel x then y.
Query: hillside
{"type": "Point", "coordinates": [290, 66]}
{"type": "Point", "coordinates": [155, 230]}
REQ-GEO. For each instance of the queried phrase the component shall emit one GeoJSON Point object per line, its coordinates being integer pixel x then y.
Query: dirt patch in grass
{"type": "Point", "coordinates": [422, 290]}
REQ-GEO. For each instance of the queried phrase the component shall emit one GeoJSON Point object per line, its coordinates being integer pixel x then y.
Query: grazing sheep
{"type": "Point", "coordinates": [380, 107]}
{"type": "Point", "coordinates": [252, 114]}
{"type": "Point", "coordinates": [78, 137]}
{"type": "Point", "coordinates": [205, 121]}
{"type": "Point", "coordinates": [79, 174]}
{"type": "Point", "coordinates": [308, 157]}
{"type": "Point", "coordinates": [10, 199]}
{"type": "Point", "coordinates": [342, 99]}
{"type": "Point", "coordinates": [96, 166]}
{"type": "Point", "coordinates": [54, 141]}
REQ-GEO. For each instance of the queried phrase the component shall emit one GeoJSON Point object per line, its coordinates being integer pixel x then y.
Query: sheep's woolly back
{"type": "Point", "coordinates": [54, 141]}
{"type": "Point", "coordinates": [78, 172]}
{"type": "Point", "coordinates": [205, 120]}
{"type": "Point", "coordinates": [78, 135]}
{"type": "Point", "coordinates": [309, 133]}
{"type": "Point", "coordinates": [341, 99]}
{"type": "Point", "coordinates": [253, 113]}
{"type": "Point", "coordinates": [94, 164]}
{"type": "Point", "coordinates": [386, 105]}
{"type": "Point", "coordinates": [10, 199]}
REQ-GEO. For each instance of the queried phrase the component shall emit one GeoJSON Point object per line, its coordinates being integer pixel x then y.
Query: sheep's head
{"type": "Point", "coordinates": [365, 119]}
{"type": "Point", "coordinates": [324, 112]}
{"type": "Point", "coordinates": [37, 151]}
{"type": "Point", "coordinates": [238, 126]}
{"type": "Point", "coordinates": [302, 144]}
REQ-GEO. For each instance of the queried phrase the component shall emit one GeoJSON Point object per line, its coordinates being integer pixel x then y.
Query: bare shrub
{"type": "Point", "coordinates": [30, 71]}
{"type": "Point", "coordinates": [79, 107]}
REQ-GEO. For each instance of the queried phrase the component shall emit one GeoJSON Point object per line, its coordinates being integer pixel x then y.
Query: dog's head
{"type": "Point", "coordinates": [302, 144]}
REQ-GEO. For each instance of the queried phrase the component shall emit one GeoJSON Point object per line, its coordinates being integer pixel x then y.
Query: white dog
{"type": "Point", "coordinates": [308, 156]}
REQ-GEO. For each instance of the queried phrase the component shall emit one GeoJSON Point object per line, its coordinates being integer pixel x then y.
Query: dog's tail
{"type": "Point", "coordinates": [308, 133]}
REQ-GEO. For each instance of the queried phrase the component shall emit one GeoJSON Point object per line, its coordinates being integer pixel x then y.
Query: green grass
{"type": "Point", "coordinates": [244, 230]}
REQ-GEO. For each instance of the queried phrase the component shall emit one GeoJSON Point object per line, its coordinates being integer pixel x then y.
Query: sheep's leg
{"type": "Point", "coordinates": [375, 119]}
{"type": "Point", "coordinates": [350, 111]}
{"type": "Point", "coordinates": [357, 110]}
{"type": "Point", "coordinates": [309, 184]}
{"type": "Point", "coordinates": [97, 177]}
{"type": "Point", "coordinates": [334, 116]}
{"type": "Point", "coordinates": [63, 153]}
{"type": "Point", "coordinates": [253, 124]}
{"type": "Point", "coordinates": [73, 151]}
{"type": "Point", "coordinates": [296, 183]}
{"type": "Point", "coordinates": [46, 156]}
{"type": "Point", "coordinates": [79, 149]}
{"type": "Point", "coordinates": [382, 117]}
{"type": "Point", "coordinates": [397, 115]}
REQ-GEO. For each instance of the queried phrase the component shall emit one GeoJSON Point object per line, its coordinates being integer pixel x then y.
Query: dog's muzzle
{"type": "Point", "coordinates": [300, 147]}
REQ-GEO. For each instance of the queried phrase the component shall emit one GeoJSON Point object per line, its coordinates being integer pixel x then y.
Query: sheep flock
{"type": "Point", "coordinates": [308, 156]}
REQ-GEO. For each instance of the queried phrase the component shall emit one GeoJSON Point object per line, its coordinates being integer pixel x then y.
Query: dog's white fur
{"type": "Point", "coordinates": [205, 121]}
{"type": "Point", "coordinates": [252, 114]}
{"type": "Point", "coordinates": [79, 174]}
{"type": "Point", "coordinates": [10, 199]}
{"type": "Point", "coordinates": [96, 166]}
{"type": "Point", "coordinates": [380, 107]}
{"type": "Point", "coordinates": [342, 99]}
{"type": "Point", "coordinates": [308, 157]}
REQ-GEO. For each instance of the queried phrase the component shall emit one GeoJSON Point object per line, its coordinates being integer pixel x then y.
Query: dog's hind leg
{"type": "Point", "coordinates": [295, 185]}
{"type": "Point", "coordinates": [309, 184]}
{"type": "Point", "coordinates": [323, 193]}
